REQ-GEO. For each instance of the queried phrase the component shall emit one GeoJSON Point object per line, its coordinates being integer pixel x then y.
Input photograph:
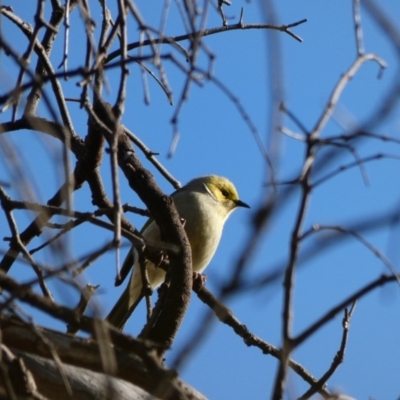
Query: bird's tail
{"type": "Point", "coordinates": [124, 307]}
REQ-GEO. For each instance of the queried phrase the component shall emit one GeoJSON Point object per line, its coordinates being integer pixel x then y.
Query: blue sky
{"type": "Point", "coordinates": [215, 139]}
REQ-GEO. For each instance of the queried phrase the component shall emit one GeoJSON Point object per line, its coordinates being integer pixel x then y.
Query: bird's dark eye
{"type": "Point", "coordinates": [224, 193]}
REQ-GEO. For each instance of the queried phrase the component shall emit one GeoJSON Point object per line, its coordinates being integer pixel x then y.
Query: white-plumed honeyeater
{"type": "Point", "coordinates": [204, 204]}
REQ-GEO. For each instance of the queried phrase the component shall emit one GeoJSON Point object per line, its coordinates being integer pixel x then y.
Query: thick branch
{"type": "Point", "coordinates": [162, 209]}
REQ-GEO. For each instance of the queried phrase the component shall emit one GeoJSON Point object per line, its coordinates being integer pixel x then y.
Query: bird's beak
{"type": "Point", "coordinates": [240, 203]}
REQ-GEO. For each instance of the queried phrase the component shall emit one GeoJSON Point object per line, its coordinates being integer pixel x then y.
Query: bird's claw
{"type": "Point", "coordinates": [199, 280]}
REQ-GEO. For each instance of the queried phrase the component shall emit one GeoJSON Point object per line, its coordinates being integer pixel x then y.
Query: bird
{"type": "Point", "coordinates": [204, 205]}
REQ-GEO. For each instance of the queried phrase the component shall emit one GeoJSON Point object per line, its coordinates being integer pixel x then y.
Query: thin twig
{"type": "Point", "coordinates": [64, 61]}
{"type": "Point", "coordinates": [360, 238]}
{"type": "Point", "coordinates": [17, 239]}
{"type": "Point", "coordinates": [348, 166]}
{"type": "Point", "coordinates": [213, 31]}
{"type": "Point", "coordinates": [330, 314]}
{"type": "Point", "coordinates": [86, 294]}
{"type": "Point", "coordinates": [358, 27]}
{"type": "Point", "coordinates": [150, 156]}
{"type": "Point", "coordinates": [337, 360]}
{"type": "Point", "coordinates": [340, 86]}
{"type": "Point", "coordinates": [226, 316]}
{"type": "Point", "coordinates": [28, 53]}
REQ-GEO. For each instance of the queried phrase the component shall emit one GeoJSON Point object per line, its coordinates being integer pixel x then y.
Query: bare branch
{"type": "Point", "coordinates": [207, 32]}
{"type": "Point", "coordinates": [337, 360]}
{"type": "Point", "coordinates": [330, 314]}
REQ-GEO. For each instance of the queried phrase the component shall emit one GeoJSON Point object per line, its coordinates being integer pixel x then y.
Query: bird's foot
{"type": "Point", "coordinates": [199, 280]}
{"type": "Point", "coordinates": [161, 261]}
